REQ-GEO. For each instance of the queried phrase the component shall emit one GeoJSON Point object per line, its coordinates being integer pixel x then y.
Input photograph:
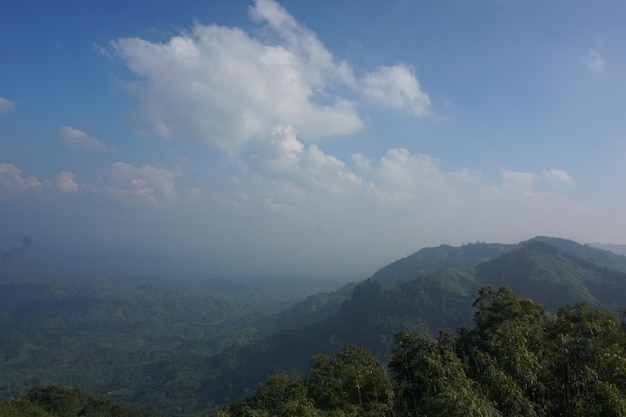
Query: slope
{"type": "Point", "coordinates": [535, 269]}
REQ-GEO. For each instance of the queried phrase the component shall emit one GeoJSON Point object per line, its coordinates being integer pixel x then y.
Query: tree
{"type": "Point", "coordinates": [431, 379]}
{"type": "Point", "coordinates": [586, 358]}
{"type": "Point", "coordinates": [58, 399]}
{"type": "Point", "coordinates": [354, 381]}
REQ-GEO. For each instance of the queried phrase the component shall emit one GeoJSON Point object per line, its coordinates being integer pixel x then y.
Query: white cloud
{"type": "Point", "coordinates": [404, 170]}
{"type": "Point", "coordinates": [296, 172]}
{"type": "Point", "coordinates": [395, 203]}
{"type": "Point", "coordinates": [65, 182]}
{"type": "Point", "coordinates": [14, 182]}
{"type": "Point", "coordinates": [77, 139]}
{"type": "Point", "coordinates": [397, 87]}
{"type": "Point", "coordinates": [99, 49]}
{"type": "Point", "coordinates": [595, 61]}
{"type": "Point", "coordinates": [145, 183]}
{"type": "Point", "coordinates": [558, 176]}
{"type": "Point", "coordinates": [517, 179]}
{"type": "Point", "coordinates": [223, 86]}
{"type": "Point", "coordinates": [399, 187]}
{"type": "Point", "coordinates": [6, 105]}
{"type": "Point", "coordinates": [361, 162]}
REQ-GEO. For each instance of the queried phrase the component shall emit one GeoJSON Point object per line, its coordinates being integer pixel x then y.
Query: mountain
{"type": "Point", "coordinates": [189, 344]}
{"type": "Point", "coordinates": [428, 260]}
{"type": "Point", "coordinates": [601, 256]}
{"type": "Point", "coordinates": [425, 261]}
{"type": "Point", "coordinates": [617, 249]}
{"type": "Point", "coordinates": [138, 340]}
{"type": "Point", "coordinates": [552, 271]}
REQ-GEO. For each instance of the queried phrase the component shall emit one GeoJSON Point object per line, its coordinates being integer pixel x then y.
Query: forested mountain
{"type": "Point", "coordinates": [516, 360]}
{"type": "Point", "coordinates": [191, 345]}
{"type": "Point", "coordinates": [601, 256]}
{"type": "Point", "coordinates": [617, 249]}
{"type": "Point", "coordinates": [537, 269]}
{"type": "Point", "coordinates": [428, 260]}
{"type": "Point", "coordinates": [137, 340]}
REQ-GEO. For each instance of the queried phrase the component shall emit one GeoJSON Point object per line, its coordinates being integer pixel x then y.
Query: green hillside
{"type": "Point", "coordinates": [428, 260]}
{"type": "Point", "coordinates": [516, 360]}
{"type": "Point", "coordinates": [192, 345]}
{"type": "Point", "coordinates": [378, 308]}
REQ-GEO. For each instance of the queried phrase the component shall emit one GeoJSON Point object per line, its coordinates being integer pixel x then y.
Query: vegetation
{"type": "Point", "coordinates": [517, 360]}
{"type": "Point", "coordinates": [58, 400]}
{"type": "Point", "coordinates": [378, 309]}
{"type": "Point", "coordinates": [186, 347]}
{"type": "Point", "coordinates": [138, 341]}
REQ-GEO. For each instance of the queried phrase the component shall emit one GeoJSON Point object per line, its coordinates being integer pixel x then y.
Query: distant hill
{"type": "Point", "coordinates": [601, 256]}
{"type": "Point", "coordinates": [552, 271]}
{"type": "Point", "coordinates": [163, 341]}
{"type": "Point", "coordinates": [428, 260]}
{"type": "Point", "coordinates": [138, 340]}
{"type": "Point", "coordinates": [425, 261]}
{"type": "Point", "coordinates": [617, 249]}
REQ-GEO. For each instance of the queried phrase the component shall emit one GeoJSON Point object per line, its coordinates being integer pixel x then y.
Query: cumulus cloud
{"type": "Point", "coordinates": [361, 162]}
{"type": "Point", "coordinates": [558, 176]}
{"type": "Point", "coordinates": [397, 87]}
{"type": "Point", "coordinates": [14, 182]}
{"type": "Point", "coordinates": [145, 183]}
{"type": "Point", "coordinates": [517, 179]}
{"type": "Point", "coordinates": [595, 61]}
{"type": "Point", "coordinates": [404, 199]}
{"type": "Point", "coordinates": [77, 139]}
{"type": "Point", "coordinates": [6, 105]}
{"type": "Point", "coordinates": [223, 86]}
{"type": "Point", "coordinates": [292, 173]}
{"type": "Point", "coordinates": [65, 182]}
{"type": "Point", "coordinates": [401, 186]}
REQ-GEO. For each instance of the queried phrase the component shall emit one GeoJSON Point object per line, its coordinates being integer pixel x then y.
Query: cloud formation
{"type": "Point", "coordinates": [65, 182]}
{"type": "Point", "coordinates": [6, 105]}
{"type": "Point", "coordinates": [399, 187]}
{"type": "Point", "coordinates": [77, 139]}
{"type": "Point", "coordinates": [13, 182]}
{"type": "Point", "coordinates": [595, 61]}
{"type": "Point", "coordinates": [221, 85]}
{"type": "Point", "coordinates": [397, 87]}
{"type": "Point", "coordinates": [146, 183]}
{"type": "Point", "coordinates": [558, 176]}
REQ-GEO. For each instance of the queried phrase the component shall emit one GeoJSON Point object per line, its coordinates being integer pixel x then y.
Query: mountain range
{"type": "Point", "coordinates": [431, 289]}
{"type": "Point", "coordinates": [191, 346]}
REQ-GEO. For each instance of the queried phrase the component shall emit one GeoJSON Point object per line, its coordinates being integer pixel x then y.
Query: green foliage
{"type": "Point", "coordinates": [61, 401]}
{"type": "Point", "coordinates": [21, 407]}
{"type": "Point", "coordinates": [186, 346]}
{"type": "Point", "coordinates": [429, 260]}
{"type": "Point", "coordinates": [57, 399]}
{"type": "Point", "coordinates": [517, 360]}
{"type": "Point", "coordinates": [138, 340]}
{"type": "Point", "coordinates": [385, 305]}
{"type": "Point", "coordinates": [352, 380]}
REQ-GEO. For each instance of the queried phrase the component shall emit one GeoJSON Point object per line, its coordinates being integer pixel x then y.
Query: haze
{"type": "Point", "coordinates": [307, 138]}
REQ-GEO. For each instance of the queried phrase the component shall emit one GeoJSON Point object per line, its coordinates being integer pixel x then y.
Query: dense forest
{"type": "Point", "coordinates": [517, 360]}
{"type": "Point", "coordinates": [188, 347]}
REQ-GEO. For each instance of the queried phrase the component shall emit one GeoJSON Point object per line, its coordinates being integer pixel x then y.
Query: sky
{"type": "Point", "coordinates": [313, 139]}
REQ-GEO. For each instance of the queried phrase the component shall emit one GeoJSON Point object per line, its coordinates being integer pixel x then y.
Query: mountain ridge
{"type": "Point", "coordinates": [552, 270]}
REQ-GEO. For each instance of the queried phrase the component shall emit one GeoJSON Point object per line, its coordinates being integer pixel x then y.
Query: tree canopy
{"type": "Point", "coordinates": [517, 360]}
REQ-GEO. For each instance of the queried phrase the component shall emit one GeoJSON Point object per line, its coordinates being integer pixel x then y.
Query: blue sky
{"type": "Point", "coordinates": [321, 138]}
